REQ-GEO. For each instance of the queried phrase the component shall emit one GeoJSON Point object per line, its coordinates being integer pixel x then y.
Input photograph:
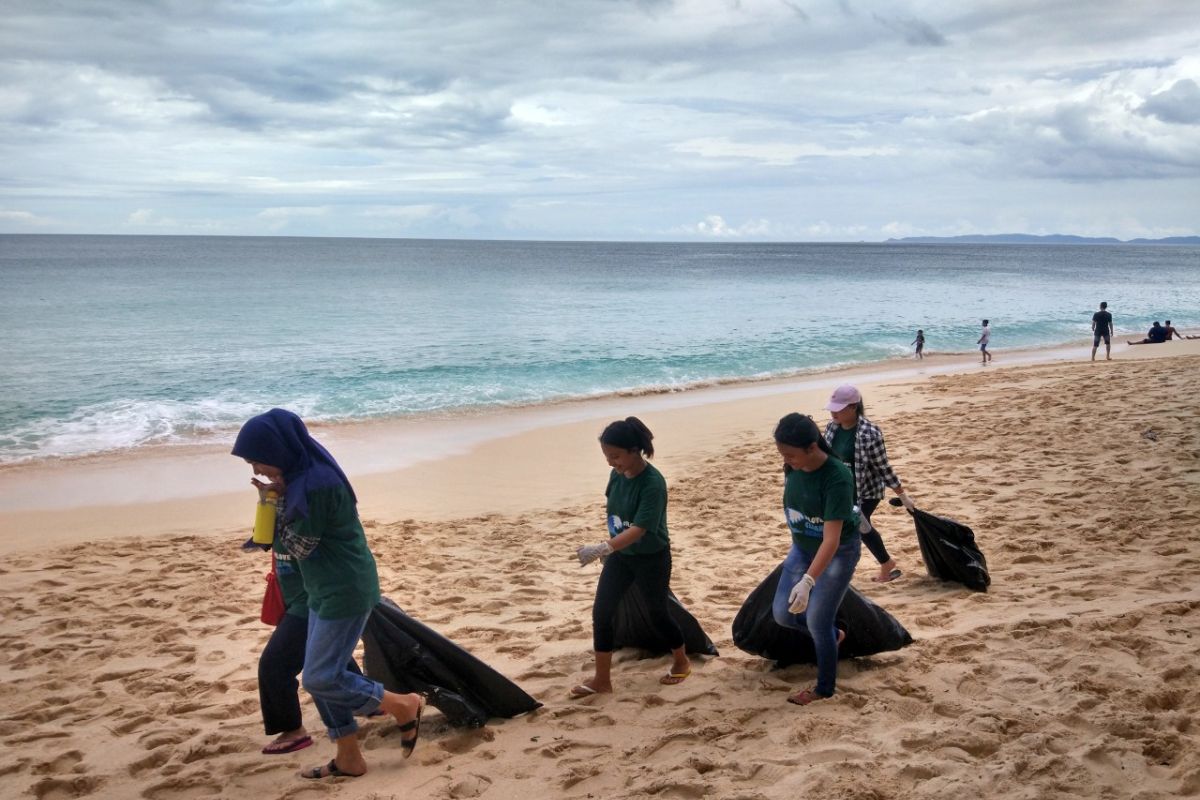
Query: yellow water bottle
{"type": "Point", "coordinates": [264, 517]}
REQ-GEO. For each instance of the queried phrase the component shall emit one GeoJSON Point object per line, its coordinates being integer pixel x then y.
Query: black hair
{"type": "Point", "coordinates": [799, 430]}
{"type": "Point", "coordinates": [1104, 305]}
{"type": "Point", "coordinates": [629, 434]}
{"type": "Point", "coordinates": [985, 322]}
{"type": "Point", "coordinates": [1168, 322]}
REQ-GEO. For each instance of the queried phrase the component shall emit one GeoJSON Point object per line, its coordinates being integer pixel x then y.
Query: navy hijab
{"type": "Point", "coordinates": [279, 438]}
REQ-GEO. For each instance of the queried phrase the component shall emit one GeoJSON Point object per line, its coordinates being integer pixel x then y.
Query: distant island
{"type": "Point", "coordinates": [1025, 238]}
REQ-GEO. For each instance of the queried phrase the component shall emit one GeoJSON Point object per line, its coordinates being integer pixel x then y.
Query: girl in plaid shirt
{"type": "Point", "coordinates": [859, 444]}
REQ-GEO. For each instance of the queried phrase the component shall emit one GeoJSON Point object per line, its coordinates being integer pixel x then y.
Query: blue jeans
{"type": "Point", "coordinates": [338, 693]}
{"type": "Point", "coordinates": [818, 618]}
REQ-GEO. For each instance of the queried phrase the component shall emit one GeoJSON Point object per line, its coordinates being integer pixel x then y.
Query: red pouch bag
{"type": "Point", "coordinates": [273, 607]}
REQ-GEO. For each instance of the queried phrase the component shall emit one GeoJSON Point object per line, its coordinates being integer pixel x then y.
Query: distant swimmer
{"type": "Point", "coordinates": [1156, 335]}
{"type": "Point", "coordinates": [920, 343]}
{"type": "Point", "coordinates": [1102, 327]}
{"type": "Point", "coordinates": [985, 336]}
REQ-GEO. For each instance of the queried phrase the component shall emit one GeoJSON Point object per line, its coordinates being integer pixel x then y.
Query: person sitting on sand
{"type": "Point", "coordinates": [858, 443]}
{"type": "Point", "coordinates": [818, 502]}
{"type": "Point", "coordinates": [1173, 333]}
{"type": "Point", "coordinates": [1156, 335]}
{"type": "Point", "coordinates": [322, 532]}
{"type": "Point", "coordinates": [638, 551]}
{"type": "Point", "coordinates": [920, 343]}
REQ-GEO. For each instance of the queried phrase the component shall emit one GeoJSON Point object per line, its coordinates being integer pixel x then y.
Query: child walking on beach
{"type": "Point", "coordinates": [322, 533]}
{"type": "Point", "coordinates": [638, 551]}
{"type": "Point", "coordinates": [818, 503]}
{"type": "Point", "coordinates": [919, 342]}
{"type": "Point", "coordinates": [858, 443]}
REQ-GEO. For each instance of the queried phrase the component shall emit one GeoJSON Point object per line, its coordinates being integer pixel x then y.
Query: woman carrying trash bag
{"type": "Point", "coordinates": [321, 531]}
{"type": "Point", "coordinates": [638, 551]}
{"type": "Point", "coordinates": [818, 503]}
{"type": "Point", "coordinates": [858, 443]}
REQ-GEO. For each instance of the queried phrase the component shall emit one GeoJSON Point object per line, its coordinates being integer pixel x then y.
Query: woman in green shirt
{"type": "Point", "coordinates": [322, 533]}
{"type": "Point", "coordinates": [638, 551]}
{"type": "Point", "coordinates": [818, 505]}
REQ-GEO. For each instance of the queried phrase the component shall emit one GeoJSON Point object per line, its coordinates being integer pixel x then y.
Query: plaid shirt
{"type": "Point", "coordinates": [871, 468]}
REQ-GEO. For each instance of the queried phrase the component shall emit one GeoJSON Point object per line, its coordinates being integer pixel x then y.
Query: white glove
{"type": "Point", "coordinates": [798, 599]}
{"type": "Point", "coordinates": [590, 552]}
{"type": "Point", "coordinates": [906, 498]}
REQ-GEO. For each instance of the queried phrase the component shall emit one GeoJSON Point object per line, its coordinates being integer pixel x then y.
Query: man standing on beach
{"type": "Point", "coordinates": [1102, 328]}
{"type": "Point", "coordinates": [984, 338]}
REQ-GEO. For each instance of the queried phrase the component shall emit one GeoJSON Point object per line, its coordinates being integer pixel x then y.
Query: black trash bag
{"type": "Point", "coordinates": [949, 550]}
{"type": "Point", "coordinates": [406, 656]}
{"type": "Point", "coordinates": [869, 629]}
{"type": "Point", "coordinates": [632, 626]}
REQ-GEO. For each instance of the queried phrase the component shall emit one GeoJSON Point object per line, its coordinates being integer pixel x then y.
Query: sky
{"type": "Point", "coordinates": [697, 120]}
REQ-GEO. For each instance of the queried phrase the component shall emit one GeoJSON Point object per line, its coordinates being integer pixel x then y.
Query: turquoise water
{"type": "Point", "coordinates": [113, 342]}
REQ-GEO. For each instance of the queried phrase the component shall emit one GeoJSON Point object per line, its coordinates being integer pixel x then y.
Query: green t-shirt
{"type": "Point", "coordinates": [810, 498]}
{"type": "Point", "coordinates": [291, 583]}
{"type": "Point", "coordinates": [640, 501]}
{"type": "Point", "coordinates": [843, 445]}
{"type": "Point", "coordinates": [339, 575]}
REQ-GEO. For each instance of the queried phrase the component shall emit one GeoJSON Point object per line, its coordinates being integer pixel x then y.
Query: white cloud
{"type": "Point", "coordinates": [830, 118]}
{"type": "Point", "coordinates": [775, 153]}
{"type": "Point", "coordinates": [714, 226]}
{"type": "Point", "coordinates": [22, 218]}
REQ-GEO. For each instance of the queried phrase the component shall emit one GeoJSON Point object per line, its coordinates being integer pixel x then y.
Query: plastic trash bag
{"type": "Point", "coordinates": [406, 656]}
{"type": "Point", "coordinates": [869, 629]}
{"type": "Point", "coordinates": [949, 550]}
{"type": "Point", "coordinates": [634, 629]}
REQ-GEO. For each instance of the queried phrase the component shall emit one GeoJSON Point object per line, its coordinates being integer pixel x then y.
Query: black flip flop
{"type": "Point", "coordinates": [414, 725]}
{"type": "Point", "coordinates": [330, 770]}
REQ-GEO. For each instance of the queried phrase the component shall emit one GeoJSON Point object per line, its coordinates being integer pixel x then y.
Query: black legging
{"type": "Point", "coordinates": [281, 661]}
{"type": "Point", "coordinates": [652, 574]}
{"type": "Point", "coordinates": [871, 538]}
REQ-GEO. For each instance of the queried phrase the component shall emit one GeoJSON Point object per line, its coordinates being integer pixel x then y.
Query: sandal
{"type": "Point", "coordinates": [891, 576]}
{"type": "Point", "coordinates": [330, 770]}
{"type": "Point", "coordinates": [673, 678]}
{"type": "Point", "coordinates": [806, 696]}
{"type": "Point", "coordinates": [582, 690]}
{"type": "Point", "coordinates": [281, 746]}
{"type": "Point", "coordinates": [414, 725]}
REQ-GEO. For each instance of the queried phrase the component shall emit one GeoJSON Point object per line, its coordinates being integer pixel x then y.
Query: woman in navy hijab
{"type": "Point", "coordinates": [320, 533]}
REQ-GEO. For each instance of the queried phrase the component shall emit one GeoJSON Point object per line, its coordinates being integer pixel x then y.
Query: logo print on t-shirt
{"type": "Point", "coordinates": [806, 526]}
{"type": "Point", "coordinates": [616, 525]}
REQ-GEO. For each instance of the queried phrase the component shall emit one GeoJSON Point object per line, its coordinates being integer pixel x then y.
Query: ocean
{"type": "Point", "coordinates": [118, 342]}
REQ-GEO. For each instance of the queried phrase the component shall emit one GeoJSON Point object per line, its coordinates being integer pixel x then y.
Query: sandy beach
{"type": "Point", "coordinates": [130, 631]}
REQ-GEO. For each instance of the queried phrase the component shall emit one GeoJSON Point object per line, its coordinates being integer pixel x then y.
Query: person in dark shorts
{"type": "Point", "coordinates": [920, 343]}
{"type": "Point", "coordinates": [1102, 326]}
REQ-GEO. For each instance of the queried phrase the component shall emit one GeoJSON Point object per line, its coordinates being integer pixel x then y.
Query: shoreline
{"type": "Point", "coordinates": [465, 415]}
{"type": "Point", "coordinates": [502, 462]}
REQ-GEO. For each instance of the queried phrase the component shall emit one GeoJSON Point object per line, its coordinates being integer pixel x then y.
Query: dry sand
{"type": "Point", "coordinates": [127, 664]}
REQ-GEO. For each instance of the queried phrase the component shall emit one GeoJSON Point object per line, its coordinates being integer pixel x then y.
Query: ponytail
{"type": "Point", "coordinates": [629, 434]}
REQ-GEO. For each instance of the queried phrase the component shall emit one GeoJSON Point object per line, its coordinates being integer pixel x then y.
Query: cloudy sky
{"type": "Point", "coordinates": [785, 120]}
